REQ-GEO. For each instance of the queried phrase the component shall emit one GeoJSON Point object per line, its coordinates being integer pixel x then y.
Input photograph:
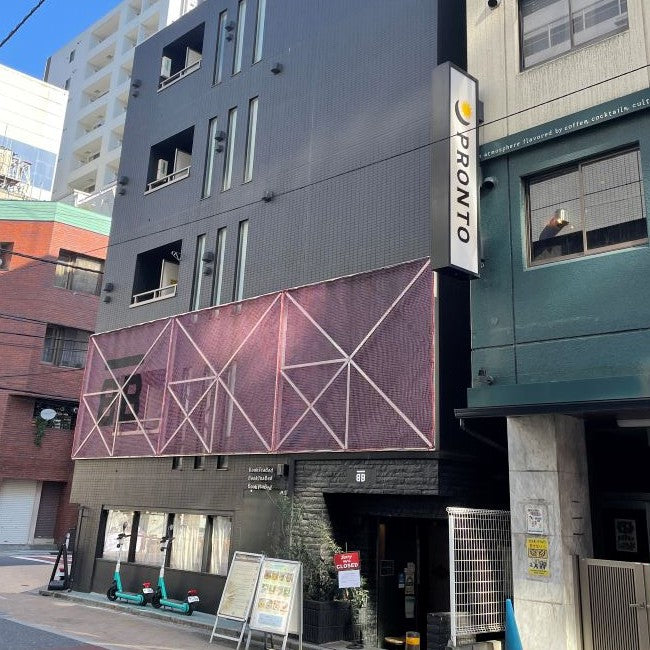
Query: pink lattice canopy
{"type": "Point", "coordinates": [344, 365]}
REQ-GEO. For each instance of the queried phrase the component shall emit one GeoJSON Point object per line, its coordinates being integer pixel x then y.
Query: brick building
{"type": "Point", "coordinates": [51, 263]}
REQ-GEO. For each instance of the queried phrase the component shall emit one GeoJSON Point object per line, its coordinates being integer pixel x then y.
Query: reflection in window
{"type": "Point", "coordinates": [114, 522]}
{"type": "Point", "coordinates": [79, 273]}
{"type": "Point", "coordinates": [150, 531]}
{"type": "Point", "coordinates": [240, 265]}
{"type": "Point", "coordinates": [594, 206]}
{"type": "Point", "coordinates": [218, 272]}
{"type": "Point", "coordinates": [209, 158]}
{"type": "Point", "coordinates": [230, 144]}
{"type": "Point", "coordinates": [65, 346]}
{"type": "Point", "coordinates": [221, 46]}
{"type": "Point", "coordinates": [551, 27]}
{"type": "Point", "coordinates": [198, 272]}
{"type": "Point", "coordinates": [250, 139]}
{"type": "Point", "coordinates": [189, 537]}
{"type": "Point", "coordinates": [239, 42]}
{"type": "Point", "coordinates": [221, 531]}
{"type": "Point", "coordinates": [259, 30]}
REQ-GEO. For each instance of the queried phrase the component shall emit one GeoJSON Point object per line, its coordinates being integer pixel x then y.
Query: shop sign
{"type": "Point", "coordinates": [455, 172]}
{"type": "Point", "coordinates": [362, 476]}
{"type": "Point", "coordinates": [538, 557]}
{"type": "Point", "coordinates": [343, 561]}
{"type": "Point", "coordinates": [260, 478]}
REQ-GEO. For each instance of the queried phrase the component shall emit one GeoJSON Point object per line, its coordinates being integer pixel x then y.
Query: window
{"type": "Point", "coordinates": [259, 30]}
{"type": "Point", "coordinates": [115, 520]}
{"type": "Point", "coordinates": [151, 529]}
{"type": "Point", "coordinates": [220, 254]}
{"type": "Point", "coordinates": [250, 139]}
{"type": "Point", "coordinates": [65, 346]}
{"type": "Point", "coordinates": [220, 547]}
{"type": "Point", "coordinates": [209, 158]}
{"type": "Point", "coordinates": [199, 462]}
{"type": "Point", "coordinates": [6, 247]}
{"type": "Point", "coordinates": [182, 57]}
{"type": "Point", "coordinates": [156, 274]}
{"type": "Point", "coordinates": [222, 462]}
{"type": "Point", "coordinates": [79, 273]}
{"type": "Point", "coordinates": [66, 413]}
{"type": "Point", "coordinates": [239, 38]}
{"type": "Point", "coordinates": [177, 462]}
{"type": "Point", "coordinates": [591, 207]}
{"type": "Point", "coordinates": [189, 538]}
{"type": "Point", "coordinates": [230, 144]}
{"type": "Point", "coordinates": [66, 85]}
{"type": "Point", "coordinates": [170, 160]}
{"type": "Point", "coordinates": [71, 56]}
{"type": "Point", "coordinates": [195, 302]}
{"type": "Point", "coordinates": [240, 265]}
{"type": "Point", "coordinates": [221, 46]}
{"type": "Point", "coordinates": [551, 27]}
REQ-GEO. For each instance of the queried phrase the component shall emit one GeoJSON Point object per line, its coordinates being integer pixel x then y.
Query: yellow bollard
{"type": "Point", "coordinates": [412, 641]}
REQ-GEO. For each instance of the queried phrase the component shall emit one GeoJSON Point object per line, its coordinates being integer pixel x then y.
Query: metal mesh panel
{"type": "Point", "coordinates": [480, 570]}
{"type": "Point", "coordinates": [341, 365]}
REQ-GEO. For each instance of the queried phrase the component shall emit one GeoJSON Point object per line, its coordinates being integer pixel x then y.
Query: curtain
{"type": "Point", "coordinates": [221, 530]}
{"type": "Point", "coordinates": [114, 522]}
{"type": "Point", "coordinates": [187, 547]}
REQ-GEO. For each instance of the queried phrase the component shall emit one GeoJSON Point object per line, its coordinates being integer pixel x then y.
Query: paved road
{"type": "Point", "coordinates": [21, 637]}
{"type": "Point", "coordinates": [23, 560]}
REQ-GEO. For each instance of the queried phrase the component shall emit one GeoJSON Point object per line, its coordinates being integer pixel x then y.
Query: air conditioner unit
{"type": "Point", "coordinates": [161, 171]}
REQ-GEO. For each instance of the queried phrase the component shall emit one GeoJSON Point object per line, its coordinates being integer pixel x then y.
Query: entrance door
{"type": "Point", "coordinates": [17, 499]}
{"type": "Point", "coordinates": [615, 604]}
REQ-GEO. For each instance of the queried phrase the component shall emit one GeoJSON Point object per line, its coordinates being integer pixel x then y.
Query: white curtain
{"type": "Point", "coordinates": [114, 522]}
{"type": "Point", "coordinates": [151, 529]}
{"type": "Point", "coordinates": [187, 547]}
{"type": "Point", "coordinates": [221, 530]}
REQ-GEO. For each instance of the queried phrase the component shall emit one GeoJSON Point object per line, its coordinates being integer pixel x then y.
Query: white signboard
{"type": "Point", "coordinates": [277, 603]}
{"type": "Point", "coordinates": [536, 517]}
{"type": "Point", "coordinates": [349, 578]}
{"type": "Point", "coordinates": [463, 176]}
{"type": "Point", "coordinates": [240, 586]}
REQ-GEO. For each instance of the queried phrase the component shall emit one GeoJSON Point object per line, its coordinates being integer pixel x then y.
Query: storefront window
{"type": "Point", "coordinates": [189, 537]}
{"type": "Point", "coordinates": [221, 529]}
{"type": "Point", "coordinates": [114, 522]}
{"type": "Point", "coordinates": [150, 531]}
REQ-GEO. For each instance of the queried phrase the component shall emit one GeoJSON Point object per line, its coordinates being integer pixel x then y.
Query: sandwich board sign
{"type": "Point", "coordinates": [277, 606]}
{"type": "Point", "coordinates": [237, 597]}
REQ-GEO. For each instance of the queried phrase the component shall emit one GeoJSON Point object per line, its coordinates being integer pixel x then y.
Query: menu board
{"type": "Point", "coordinates": [240, 586]}
{"type": "Point", "coordinates": [278, 597]}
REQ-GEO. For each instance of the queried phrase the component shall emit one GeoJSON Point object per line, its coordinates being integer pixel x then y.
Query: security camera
{"type": "Point", "coordinates": [493, 4]}
{"type": "Point", "coordinates": [488, 183]}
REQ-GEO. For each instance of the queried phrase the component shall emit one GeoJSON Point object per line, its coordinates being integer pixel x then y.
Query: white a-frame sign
{"type": "Point", "coordinates": [237, 597]}
{"type": "Point", "coordinates": [277, 607]}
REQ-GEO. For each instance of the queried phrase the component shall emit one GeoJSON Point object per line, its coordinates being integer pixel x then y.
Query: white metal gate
{"type": "Point", "coordinates": [480, 570]}
{"type": "Point", "coordinates": [17, 499]}
{"type": "Point", "coordinates": [615, 599]}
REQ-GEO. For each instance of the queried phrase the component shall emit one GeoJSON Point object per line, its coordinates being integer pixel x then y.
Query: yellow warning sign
{"type": "Point", "coordinates": [537, 552]}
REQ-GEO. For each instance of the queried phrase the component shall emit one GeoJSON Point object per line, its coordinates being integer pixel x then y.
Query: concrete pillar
{"type": "Point", "coordinates": [549, 504]}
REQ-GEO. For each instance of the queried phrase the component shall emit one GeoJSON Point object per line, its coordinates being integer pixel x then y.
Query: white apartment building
{"type": "Point", "coordinates": [95, 68]}
{"type": "Point", "coordinates": [31, 124]}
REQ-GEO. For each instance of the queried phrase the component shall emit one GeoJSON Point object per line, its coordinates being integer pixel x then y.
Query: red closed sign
{"type": "Point", "coordinates": [346, 561]}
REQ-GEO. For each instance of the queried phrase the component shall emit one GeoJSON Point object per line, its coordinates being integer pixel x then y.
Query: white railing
{"type": "Point", "coordinates": [167, 180]}
{"type": "Point", "coordinates": [154, 294]}
{"type": "Point", "coordinates": [179, 75]}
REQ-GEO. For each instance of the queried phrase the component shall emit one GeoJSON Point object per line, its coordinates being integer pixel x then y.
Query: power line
{"type": "Point", "coordinates": [22, 22]}
{"type": "Point", "coordinates": [45, 260]}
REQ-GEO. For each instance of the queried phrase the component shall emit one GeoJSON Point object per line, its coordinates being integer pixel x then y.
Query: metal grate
{"type": "Point", "coordinates": [480, 562]}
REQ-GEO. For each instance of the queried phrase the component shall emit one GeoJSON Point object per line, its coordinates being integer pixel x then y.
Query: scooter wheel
{"type": "Point", "coordinates": [155, 601]}
{"type": "Point", "coordinates": [190, 609]}
{"type": "Point", "coordinates": [111, 594]}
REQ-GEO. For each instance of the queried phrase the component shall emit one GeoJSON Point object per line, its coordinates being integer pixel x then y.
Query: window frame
{"type": "Point", "coordinates": [58, 337]}
{"type": "Point", "coordinates": [260, 19]}
{"type": "Point", "coordinates": [222, 21]}
{"type": "Point", "coordinates": [228, 161]}
{"type": "Point", "coordinates": [219, 262]}
{"type": "Point", "coordinates": [238, 51]}
{"type": "Point", "coordinates": [578, 165]}
{"type": "Point", "coordinates": [251, 138]}
{"type": "Point", "coordinates": [68, 262]}
{"type": "Point", "coordinates": [6, 254]}
{"type": "Point", "coordinates": [199, 266]}
{"type": "Point", "coordinates": [240, 261]}
{"type": "Point", "coordinates": [572, 48]}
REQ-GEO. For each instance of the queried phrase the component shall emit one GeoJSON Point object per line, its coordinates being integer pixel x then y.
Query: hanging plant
{"type": "Point", "coordinates": [40, 425]}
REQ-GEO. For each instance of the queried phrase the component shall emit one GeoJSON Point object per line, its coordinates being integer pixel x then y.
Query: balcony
{"type": "Point", "coordinates": [152, 296]}
{"type": "Point", "coordinates": [168, 180]}
{"type": "Point", "coordinates": [179, 75]}
{"type": "Point", "coordinates": [170, 161]}
{"type": "Point", "coordinates": [181, 57]}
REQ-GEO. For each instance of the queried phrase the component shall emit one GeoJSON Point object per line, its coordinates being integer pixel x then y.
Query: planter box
{"type": "Point", "coordinates": [327, 621]}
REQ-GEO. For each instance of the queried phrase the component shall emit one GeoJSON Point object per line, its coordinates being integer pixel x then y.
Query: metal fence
{"type": "Point", "coordinates": [480, 570]}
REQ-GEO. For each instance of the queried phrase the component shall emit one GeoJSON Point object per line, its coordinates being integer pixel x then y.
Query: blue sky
{"type": "Point", "coordinates": [54, 24]}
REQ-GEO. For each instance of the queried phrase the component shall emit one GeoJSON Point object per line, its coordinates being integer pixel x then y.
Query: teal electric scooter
{"type": "Point", "coordinates": [116, 590]}
{"type": "Point", "coordinates": [160, 598]}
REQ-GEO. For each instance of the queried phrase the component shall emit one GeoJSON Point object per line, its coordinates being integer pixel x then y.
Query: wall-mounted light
{"type": "Point", "coordinates": [277, 68]}
{"type": "Point", "coordinates": [220, 136]}
{"type": "Point", "coordinates": [136, 83]}
{"type": "Point", "coordinates": [268, 196]}
{"type": "Point", "coordinates": [219, 148]}
{"type": "Point", "coordinates": [493, 4]}
{"type": "Point", "coordinates": [484, 377]}
{"type": "Point", "coordinates": [230, 28]}
{"type": "Point", "coordinates": [108, 287]}
{"type": "Point", "coordinates": [123, 180]}
{"type": "Point", "coordinates": [207, 270]}
{"type": "Point", "coordinates": [208, 256]}
{"type": "Point", "coordinates": [121, 191]}
{"type": "Point", "coordinates": [106, 299]}
{"type": "Point", "coordinates": [488, 183]}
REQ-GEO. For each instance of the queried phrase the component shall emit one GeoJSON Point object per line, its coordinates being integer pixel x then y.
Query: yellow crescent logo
{"type": "Point", "coordinates": [463, 112]}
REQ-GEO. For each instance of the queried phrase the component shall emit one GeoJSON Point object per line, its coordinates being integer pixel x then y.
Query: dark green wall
{"type": "Point", "coordinates": [572, 321]}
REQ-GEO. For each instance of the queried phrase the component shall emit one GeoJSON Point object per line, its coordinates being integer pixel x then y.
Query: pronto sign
{"type": "Point", "coordinates": [455, 172]}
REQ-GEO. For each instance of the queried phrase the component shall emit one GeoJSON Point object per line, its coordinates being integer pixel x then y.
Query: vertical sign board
{"type": "Point", "coordinates": [454, 190]}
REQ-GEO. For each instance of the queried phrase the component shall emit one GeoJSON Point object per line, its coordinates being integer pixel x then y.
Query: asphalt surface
{"type": "Point", "coordinates": [17, 636]}
{"type": "Point", "coordinates": [10, 560]}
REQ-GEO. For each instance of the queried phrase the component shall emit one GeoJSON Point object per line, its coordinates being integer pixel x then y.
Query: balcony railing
{"type": "Point", "coordinates": [152, 296]}
{"type": "Point", "coordinates": [179, 75]}
{"type": "Point", "coordinates": [167, 180]}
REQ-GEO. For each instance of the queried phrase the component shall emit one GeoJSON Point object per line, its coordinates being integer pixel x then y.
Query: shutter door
{"type": "Point", "coordinates": [48, 509]}
{"type": "Point", "coordinates": [16, 510]}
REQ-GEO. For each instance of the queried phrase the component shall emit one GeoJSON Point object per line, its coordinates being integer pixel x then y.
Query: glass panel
{"type": "Point", "coordinates": [250, 139]}
{"type": "Point", "coordinates": [62, 271]}
{"type": "Point", "coordinates": [239, 43]}
{"type": "Point", "coordinates": [218, 275]}
{"type": "Point", "coordinates": [598, 19]}
{"type": "Point", "coordinates": [221, 38]}
{"type": "Point", "coordinates": [49, 344]}
{"type": "Point", "coordinates": [613, 200]}
{"type": "Point", "coordinates": [74, 346]}
{"type": "Point", "coordinates": [5, 254]}
{"type": "Point", "coordinates": [150, 531]}
{"type": "Point", "coordinates": [555, 216]}
{"type": "Point", "coordinates": [209, 158]}
{"type": "Point", "coordinates": [227, 167]}
{"type": "Point", "coordinates": [221, 530]}
{"type": "Point", "coordinates": [86, 281]}
{"type": "Point", "coordinates": [545, 30]}
{"type": "Point", "coordinates": [242, 245]}
{"type": "Point", "coordinates": [198, 272]}
{"type": "Point", "coordinates": [259, 30]}
{"type": "Point", "coordinates": [187, 547]}
{"type": "Point", "coordinates": [114, 523]}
